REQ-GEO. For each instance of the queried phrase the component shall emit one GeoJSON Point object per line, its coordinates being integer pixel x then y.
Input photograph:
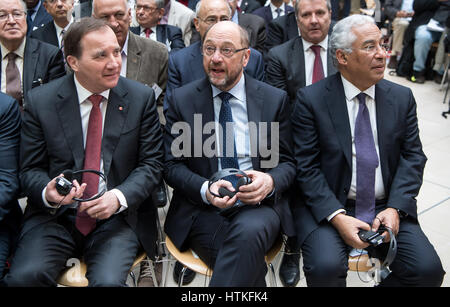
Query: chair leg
{"type": "Point", "coordinates": [180, 279]}
{"type": "Point", "coordinates": [273, 278]}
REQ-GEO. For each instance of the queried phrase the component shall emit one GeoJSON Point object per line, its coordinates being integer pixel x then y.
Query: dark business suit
{"type": "Point", "coordinates": [323, 150]}
{"type": "Point", "coordinates": [248, 6]}
{"type": "Point", "coordinates": [281, 29]}
{"type": "Point", "coordinates": [166, 34]}
{"type": "Point", "coordinates": [10, 213]}
{"type": "Point", "coordinates": [186, 175]}
{"type": "Point", "coordinates": [186, 66]}
{"type": "Point", "coordinates": [46, 34]}
{"type": "Point", "coordinates": [42, 62]}
{"type": "Point", "coordinates": [256, 29]}
{"type": "Point", "coordinates": [51, 142]}
{"type": "Point", "coordinates": [41, 18]}
{"type": "Point", "coordinates": [285, 66]}
{"type": "Point", "coordinates": [265, 12]}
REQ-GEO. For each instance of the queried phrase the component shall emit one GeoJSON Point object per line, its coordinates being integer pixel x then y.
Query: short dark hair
{"type": "Point", "coordinates": [78, 29]}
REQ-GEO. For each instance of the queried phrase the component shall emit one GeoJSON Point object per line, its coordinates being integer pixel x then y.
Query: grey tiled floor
{"type": "Point", "coordinates": [434, 197]}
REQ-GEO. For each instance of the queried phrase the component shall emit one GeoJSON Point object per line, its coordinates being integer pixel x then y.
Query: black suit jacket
{"type": "Point", "coordinates": [10, 212]}
{"type": "Point", "coordinates": [42, 63]}
{"type": "Point", "coordinates": [46, 34]}
{"type": "Point", "coordinates": [285, 66]}
{"type": "Point", "coordinates": [41, 18]}
{"type": "Point", "coordinates": [52, 141]}
{"type": "Point", "coordinates": [187, 174]}
{"type": "Point", "coordinates": [248, 6]}
{"type": "Point", "coordinates": [323, 150]}
{"type": "Point", "coordinates": [281, 29]}
{"type": "Point", "coordinates": [256, 29]}
{"type": "Point", "coordinates": [266, 13]}
{"type": "Point", "coordinates": [166, 33]}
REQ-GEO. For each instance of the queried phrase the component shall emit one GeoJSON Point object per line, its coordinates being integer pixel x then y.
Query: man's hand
{"type": "Point", "coordinates": [388, 218]}
{"type": "Point", "coordinates": [255, 192]}
{"type": "Point", "coordinates": [52, 195]}
{"type": "Point", "coordinates": [221, 202]}
{"type": "Point", "coordinates": [101, 208]}
{"type": "Point", "coordinates": [348, 227]}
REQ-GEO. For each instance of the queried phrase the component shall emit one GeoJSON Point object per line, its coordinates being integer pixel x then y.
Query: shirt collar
{"type": "Point", "coordinates": [125, 46]}
{"type": "Point", "coordinates": [352, 91]}
{"type": "Point", "coordinates": [59, 29]}
{"type": "Point", "coordinates": [238, 91]}
{"type": "Point", "coordinates": [273, 8]}
{"type": "Point", "coordinates": [19, 51]}
{"type": "Point", "coordinates": [323, 44]}
{"type": "Point", "coordinates": [84, 94]}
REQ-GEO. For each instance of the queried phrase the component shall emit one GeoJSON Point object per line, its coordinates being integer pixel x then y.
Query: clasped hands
{"type": "Point", "coordinates": [250, 194]}
{"type": "Point", "coordinates": [348, 226]}
{"type": "Point", "coordinates": [100, 208]}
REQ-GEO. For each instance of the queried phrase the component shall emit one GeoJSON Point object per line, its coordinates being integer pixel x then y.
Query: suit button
{"type": "Point", "coordinates": [346, 191]}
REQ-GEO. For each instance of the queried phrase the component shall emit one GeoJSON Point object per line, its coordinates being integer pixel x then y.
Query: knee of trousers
{"type": "Point", "coordinates": [427, 273]}
{"type": "Point", "coordinates": [29, 276]}
{"type": "Point", "coordinates": [107, 278]}
{"type": "Point", "coordinates": [325, 270]}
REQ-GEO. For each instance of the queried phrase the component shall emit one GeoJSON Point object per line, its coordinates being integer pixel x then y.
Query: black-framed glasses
{"type": "Point", "coordinates": [16, 15]}
{"type": "Point", "coordinates": [226, 51]}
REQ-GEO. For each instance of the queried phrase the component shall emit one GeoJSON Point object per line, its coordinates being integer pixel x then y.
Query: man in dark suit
{"type": "Point", "coordinates": [254, 25]}
{"type": "Point", "coordinates": [186, 65]}
{"type": "Point", "coordinates": [280, 30]}
{"type": "Point", "coordinates": [275, 9]}
{"type": "Point", "coordinates": [108, 231]}
{"type": "Point", "coordinates": [291, 66]}
{"type": "Point", "coordinates": [233, 247]}
{"type": "Point", "coordinates": [27, 62]}
{"type": "Point", "coordinates": [148, 15]}
{"type": "Point", "coordinates": [53, 32]}
{"type": "Point", "coordinates": [359, 164]}
{"type": "Point", "coordinates": [10, 213]}
{"type": "Point", "coordinates": [37, 15]}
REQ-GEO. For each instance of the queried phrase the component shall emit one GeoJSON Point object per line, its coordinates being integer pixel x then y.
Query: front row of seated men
{"type": "Point", "coordinates": [349, 146]}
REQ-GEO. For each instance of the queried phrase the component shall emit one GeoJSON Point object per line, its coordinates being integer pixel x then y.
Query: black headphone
{"type": "Point", "coordinates": [243, 180]}
{"type": "Point", "coordinates": [64, 184]}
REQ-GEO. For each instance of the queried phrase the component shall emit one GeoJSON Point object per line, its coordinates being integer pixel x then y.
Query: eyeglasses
{"type": "Point", "coordinates": [226, 52]}
{"type": "Point", "coordinates": [56, 1]}
{"type": "Point", "coordinates": [214, 20]}
{"type": "Point", "coordinates": [16, 15]}
{"type": "Point", "coordinates": [147, 9]}
{"type": "Point", "coordinates": [372, 48]}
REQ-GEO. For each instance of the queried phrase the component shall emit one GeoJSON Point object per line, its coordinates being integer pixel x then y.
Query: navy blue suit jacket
{"type": "Point", "coordinates": [10, 121]}
{"type": "Point", "coordinates": [165, 33]}
{"type": "Point", "coordinates": [266, 13]}
{"type": "Point", "coordinates": [186, 66]}
{"type": "Point", "coordinates": [41, 18]}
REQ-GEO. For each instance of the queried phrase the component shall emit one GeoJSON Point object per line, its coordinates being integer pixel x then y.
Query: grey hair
{"type": "Point", "coordinates": [343, 37]}
{"type": "Point", "coordinates": [160, 4]}
{"type": "Point", "coordinates": [24, 5]}
{"type": "Point", "coordinates": [127, 5]}
{"type": "Point", "coordinates": [199, 4]}
{"type": "Point", "coordinates": [298, 2]}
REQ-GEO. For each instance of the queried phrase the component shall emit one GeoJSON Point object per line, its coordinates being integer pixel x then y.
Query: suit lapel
{"type": "Point", "coordinates": [385, 123]}
{"type": "Point", "coordinates": [337, 106]}
{"type": "Point", "coordinates": [298, 54]}
{"type": "Point", "coordinates": [204, 105]}
{"type": "Point", "coordinates": [30, 60]}
{"type": "Point", "coordinates": [161, 35]}
{"type": "Point", "coordinates": [196, 61]}
{"type": "Point", "coordinates": [133, 57]}
{"type": "Point", "coordinates": [268, 13]}
{"type": "Point", "coordinates": [50, 32]}
{"type": "Point", "coordinates": [68, 108]}
{"type": "Point", "coordinates": [255, 109]}
{"type": "Point", "coordinates": [116, 114]}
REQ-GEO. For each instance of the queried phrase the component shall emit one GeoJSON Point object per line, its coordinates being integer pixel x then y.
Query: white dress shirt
{"type": "Point", "coordinates": [19, 62]}
{"type": "Point", "coordinates": [310, 57]}
{"type": "Point", "coordinates": [151, 36]}
{"type": "Point", "coordinates": [59, 30]}
{"type": "Point", "coordinates": [273, 9]}
{"type": "Point", "coordinates": [85, 111]}
{"type": "Point", "coordinates": [124, 54]}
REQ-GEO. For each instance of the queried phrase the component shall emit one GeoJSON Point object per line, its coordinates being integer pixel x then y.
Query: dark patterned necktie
{"type": "Point", "coordinates": [278, 11]}
{"type": "Point", "coordinates": [225, 116]}
{"type": "Point", "coordinates": [366, 164]}
{"type": "Point", "coordinates": [84, 223]}
{"type": "Point", "coordinates": [13, 82]}
{"type": "Point", "coordinates": [318, 67]}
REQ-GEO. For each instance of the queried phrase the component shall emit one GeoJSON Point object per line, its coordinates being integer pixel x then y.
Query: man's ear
{"type": "Point", "coordinates": [196, 24]}
{"type": "Point", "coordinates": [72, 62]}
{"type": "Point", "coordinates": [341, 57]}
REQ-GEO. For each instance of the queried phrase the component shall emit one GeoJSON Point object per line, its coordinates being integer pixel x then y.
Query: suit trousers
{"type": "Point", "coordinates": [43, 252]}
{"type": "Point", "coordinates": [235, 247]}
{"type": "Point", "coordinates": [325, 257]}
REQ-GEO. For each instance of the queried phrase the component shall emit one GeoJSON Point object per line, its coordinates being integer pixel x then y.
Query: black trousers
{"type": "Point", "coordinates": [43, 252]}
{"type": "Point", "coordinates": [5, 242]}
{"type": "Point", "coordinates": [325, 258]}
{"type": "Point", "coordinates": [235, 248]}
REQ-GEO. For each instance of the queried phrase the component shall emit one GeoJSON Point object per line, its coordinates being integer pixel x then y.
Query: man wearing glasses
{"type": "Point", "coordinates": [25, 62]}
{"type": "Point", "coordinates": [367, 171]}
{"type": "Point", "coordinates": [233, 248]}
{"type": "Point", "coordinates": [186, 65]}
{"type": "Point", "coordinates": [53, 32]}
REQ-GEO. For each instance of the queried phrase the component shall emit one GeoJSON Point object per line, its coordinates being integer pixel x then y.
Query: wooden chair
{"type": "Point", "coordinates": [75, 276]}
{"type": "Point", "coordinates": [191, 261]}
